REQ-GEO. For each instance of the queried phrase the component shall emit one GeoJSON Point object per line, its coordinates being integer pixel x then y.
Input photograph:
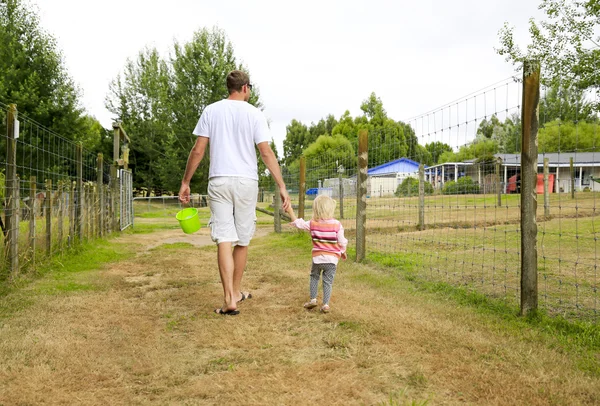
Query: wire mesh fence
{"type": "Point", "coordinates": [569, 153]}
{"type": "Point", "coordinates": [55, 193]}
{"type": "Point", "coordinates": [464, 229]}
{"type": "Point", "coordinates": [444, 201]}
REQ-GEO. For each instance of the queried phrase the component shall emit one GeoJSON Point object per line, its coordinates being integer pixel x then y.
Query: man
{"type": "Point", "coordinates": [233, 127]}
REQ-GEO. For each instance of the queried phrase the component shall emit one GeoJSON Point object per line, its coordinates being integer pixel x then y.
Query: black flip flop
{"type": "Point", "coordinates": [227, 312]}
{"type": "Point", "coordinates": [244, 297]}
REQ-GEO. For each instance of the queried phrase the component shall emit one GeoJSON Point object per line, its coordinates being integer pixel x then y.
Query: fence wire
{"type": "Point", "coordinates": [470, 230]}
{"type": "Point", "coordinates": [55, 198]}
{"type": "Point", "coordinates": [569, 143]}
{"type": "Point", "coordinates": [466, 231]}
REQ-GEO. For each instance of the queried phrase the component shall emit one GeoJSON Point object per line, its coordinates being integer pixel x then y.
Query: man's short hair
{"type": "Point", "coordinates": [236, 79]}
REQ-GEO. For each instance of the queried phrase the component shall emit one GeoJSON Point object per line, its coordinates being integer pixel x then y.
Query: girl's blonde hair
{"type": "Point", "coordinates": [323, 208]}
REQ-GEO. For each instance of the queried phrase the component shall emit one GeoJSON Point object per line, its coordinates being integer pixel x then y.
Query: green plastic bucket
{"type": "Point", "coordinates": [189, 220]}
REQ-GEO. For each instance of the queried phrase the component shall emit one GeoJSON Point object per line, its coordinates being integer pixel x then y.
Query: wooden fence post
{"type": "Point", "coordinates": [11, 188]}
{"type": "Point", "coordinates": [529, 119]}
{"type": "Point", "coordinates": [572, 176]}
{"type": "Point", "coordinates": [498, 183]}
{"type": "Point", "coordinates": [361, 195]}
{"type": "Point", "coordinates": [277, 210]}
{"type": "Point", "coordinates": [16, 221]}
{"type": "Point", "coordinates": [72, 213]}
{"type": "Point", "coordinates": [59, 202]}
{"type": "Point", "coordinates": [32, 218]}
{"type": "Point", "coordinates": [48, 204]}
{"type": "Point", "coordinates": [88, 212]}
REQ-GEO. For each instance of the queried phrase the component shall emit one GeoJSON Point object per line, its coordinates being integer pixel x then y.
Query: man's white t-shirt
{"type": "Point", "coordinates": [234, 127]}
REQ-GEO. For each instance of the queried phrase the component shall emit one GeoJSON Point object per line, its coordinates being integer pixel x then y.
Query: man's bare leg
{"type": "Point", "coordinates": [240, 256]}
{"type": "Point", "coordinates": [226, 270]}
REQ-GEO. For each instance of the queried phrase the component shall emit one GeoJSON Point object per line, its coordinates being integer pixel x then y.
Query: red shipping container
{"type": "Point", "coordinates": [540, 183]}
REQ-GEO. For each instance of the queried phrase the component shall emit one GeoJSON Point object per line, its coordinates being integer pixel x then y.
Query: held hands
{"type": "Point", "coordinates": [285, 199]}
{"type": "Point", "coordinates": [290, 212]}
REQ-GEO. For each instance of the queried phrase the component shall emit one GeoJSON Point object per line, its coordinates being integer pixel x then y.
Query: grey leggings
{"type": "Point", "coordinates": [328, 275]}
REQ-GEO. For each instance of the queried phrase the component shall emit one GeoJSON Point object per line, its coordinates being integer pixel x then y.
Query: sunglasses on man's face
{"type": "Point", "coordinates": [249, 86]}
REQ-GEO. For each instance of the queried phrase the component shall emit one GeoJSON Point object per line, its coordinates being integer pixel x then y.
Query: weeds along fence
{"type": "Point", "coordinates": [54, 192]}
{"type": "Point", "coordinates": [511, 212]}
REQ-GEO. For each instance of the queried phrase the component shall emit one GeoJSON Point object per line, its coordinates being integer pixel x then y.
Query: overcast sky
{"type": "Point", "coordinates": [309, 58]}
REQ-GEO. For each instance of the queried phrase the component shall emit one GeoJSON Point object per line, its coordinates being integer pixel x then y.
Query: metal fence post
{"type": "Point", "coordinates": [529, 144]}
{"type": "Point", "coordinates": [361, 194]}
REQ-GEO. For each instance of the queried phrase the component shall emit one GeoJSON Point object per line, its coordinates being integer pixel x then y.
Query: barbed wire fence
{"type": "Point", "coordinates": [471, 218]}
{"type": "Point", "coordinates": [55, 194]}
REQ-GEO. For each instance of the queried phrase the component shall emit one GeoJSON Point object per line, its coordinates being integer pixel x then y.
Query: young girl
{"type": "Point", "coordinates": [329, 244]}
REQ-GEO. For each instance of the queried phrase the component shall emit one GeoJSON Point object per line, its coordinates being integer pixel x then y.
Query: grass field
{"type": "Point", "coordinates": [130, 321]}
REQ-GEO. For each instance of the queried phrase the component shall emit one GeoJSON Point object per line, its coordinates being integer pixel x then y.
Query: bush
{"type": "Point", "coordinates": [410, 187]}
{"type": "Point", "coordinates": [463, 186]}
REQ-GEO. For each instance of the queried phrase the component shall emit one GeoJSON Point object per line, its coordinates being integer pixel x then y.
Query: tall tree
{"type": "Point", "coordinates": [566, 43]}
{"type": "Point", "coordinates": [32, 71]}
{"type": "Point", "coordinates": [346, 127]}
{"type": "Point", "coordinates": [34, 77]}
{"type": "Point", "coordinates": [297, 139]}
{"type": "Point", "coordinates": [161, 100]}
{"type": "Point", "coordinates": [566, 104]}
{"type": "Point", "coordinates": [141, 100]}
{"type": "Point", "coordinates": [325, 155]}
{"type": "Point", "coordinates": [436, 149]}
{"type": "Point", "coordinates": [480, 148]}
{"type": "Point", "coordinates": [323, 127]}
{"type": "Point", "coordinates": [373, 109]}
{"type": "Point", "coordinates": [559, 136]}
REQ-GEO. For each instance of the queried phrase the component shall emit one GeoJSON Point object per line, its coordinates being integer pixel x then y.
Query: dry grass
{"type": "Point", "coordinates": [146, 334]}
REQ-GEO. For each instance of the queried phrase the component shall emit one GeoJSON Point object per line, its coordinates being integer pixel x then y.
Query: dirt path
{"type": "Point", "coordinates": [152, 240]}
{"type": "Point", "coordinates": [141, 331]}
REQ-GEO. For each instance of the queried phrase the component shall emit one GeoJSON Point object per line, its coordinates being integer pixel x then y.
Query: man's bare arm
{"type": "Point", "coordinates": [268, 157]}
{"type": "Point", "coordinates": [194, 159]}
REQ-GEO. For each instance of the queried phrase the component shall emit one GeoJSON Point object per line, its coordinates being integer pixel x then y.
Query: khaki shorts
{"type": "Point", "coordinates": [232, 202]}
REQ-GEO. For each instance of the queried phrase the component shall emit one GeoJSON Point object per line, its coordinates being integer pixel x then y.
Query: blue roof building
{"type": "Point", "coordinates": [402, 165]}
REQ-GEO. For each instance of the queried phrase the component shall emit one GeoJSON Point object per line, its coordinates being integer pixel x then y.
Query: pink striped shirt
{"type": "Point", "coordinates": [328, 239]}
